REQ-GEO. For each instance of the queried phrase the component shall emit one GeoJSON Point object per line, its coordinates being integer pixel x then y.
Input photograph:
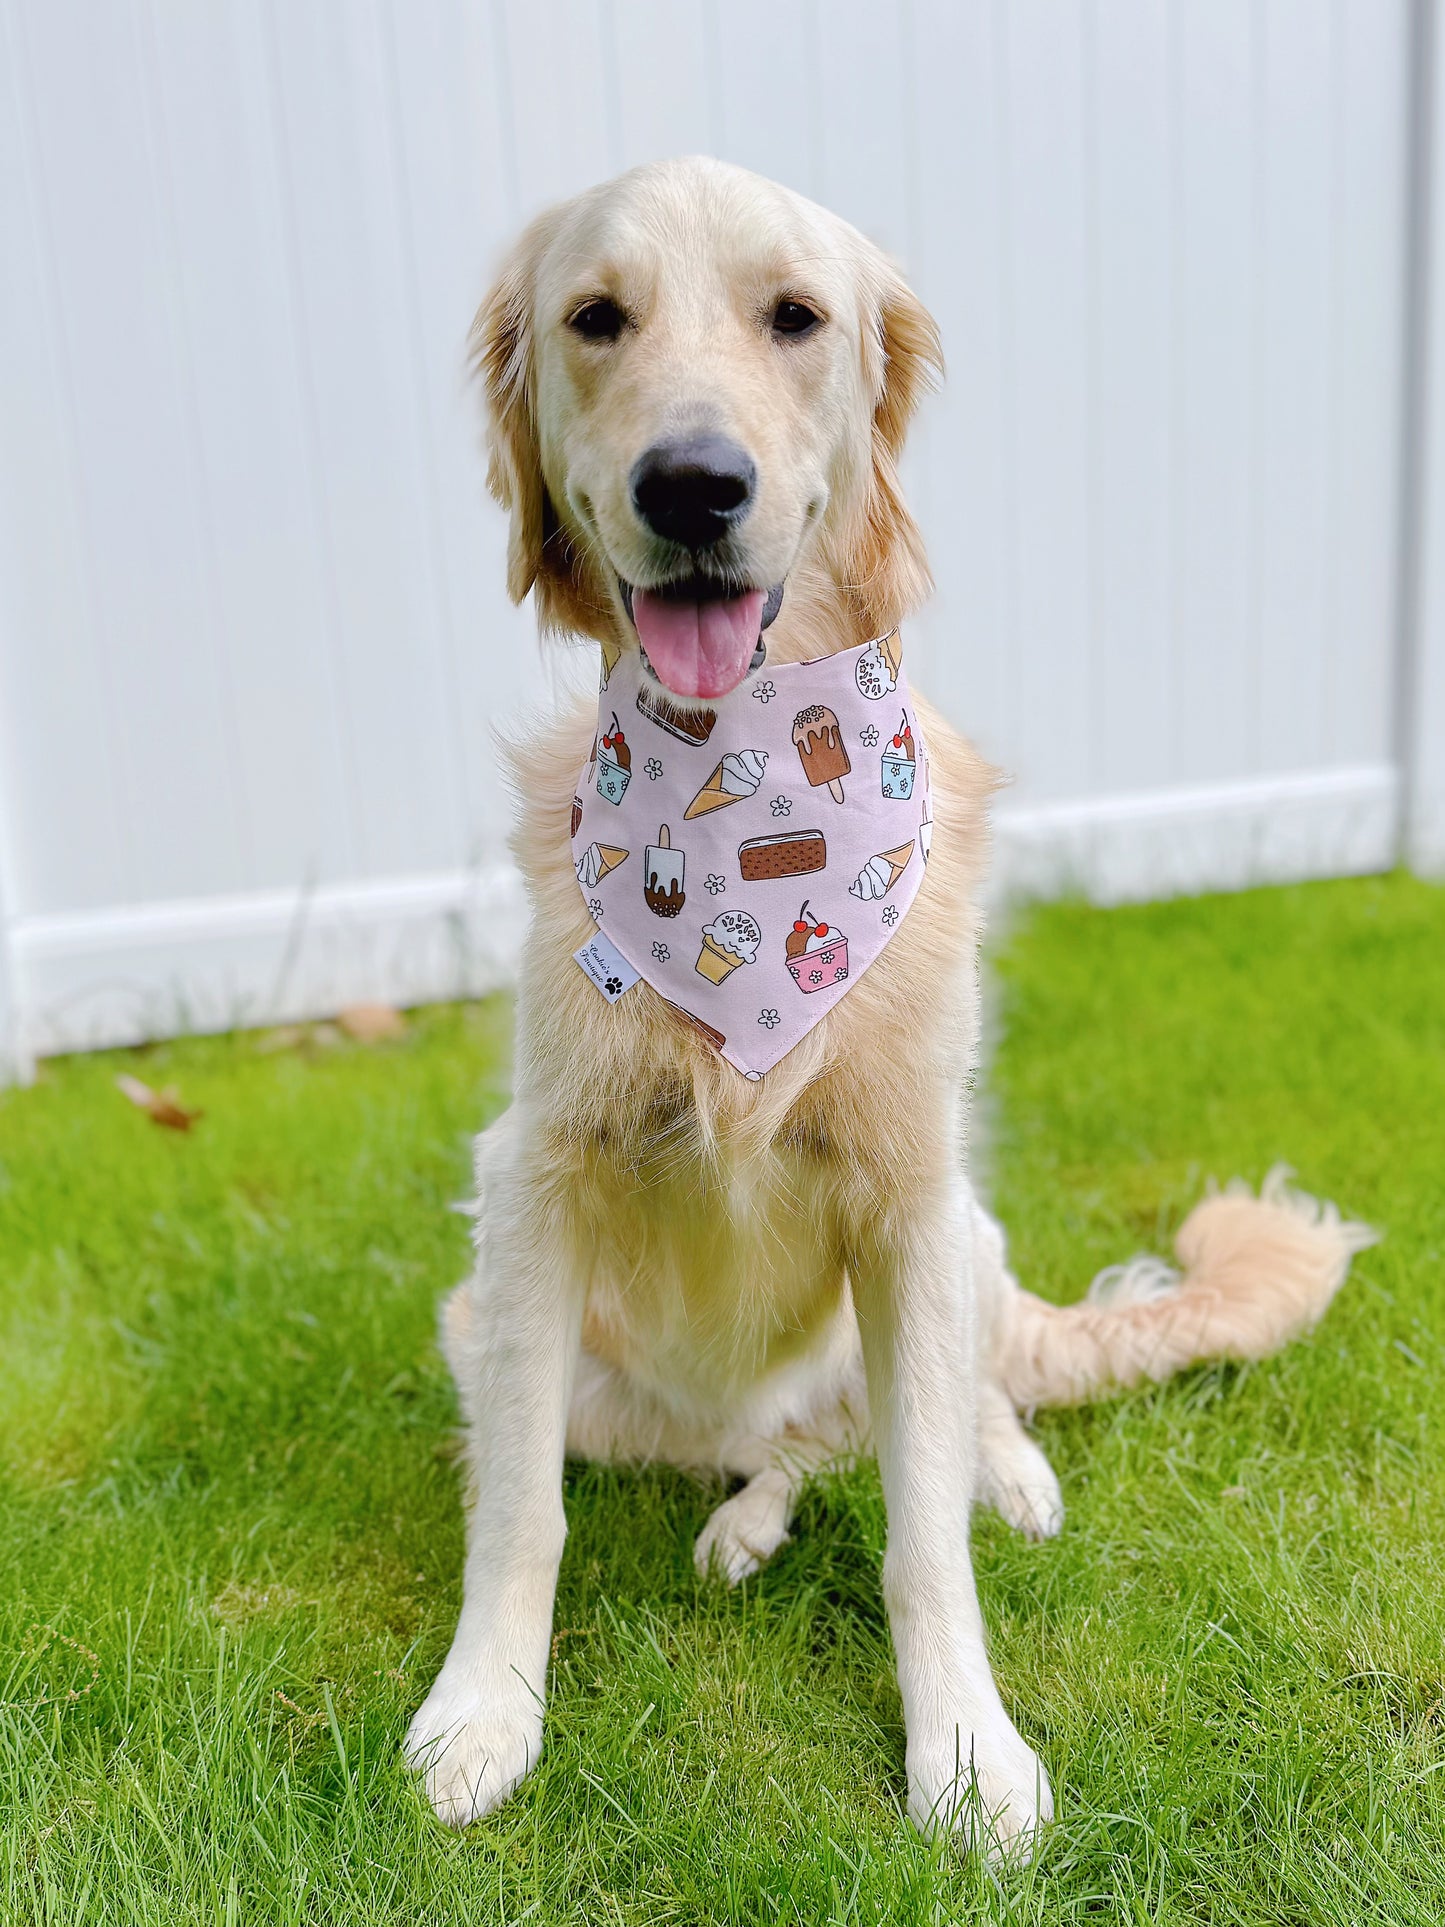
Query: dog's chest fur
{"type": "Point", "coordinates": [715, 1217]}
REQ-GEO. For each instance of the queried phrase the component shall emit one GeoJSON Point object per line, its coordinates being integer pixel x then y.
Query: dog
{"type": "Point", "coordinates": [697, 388]}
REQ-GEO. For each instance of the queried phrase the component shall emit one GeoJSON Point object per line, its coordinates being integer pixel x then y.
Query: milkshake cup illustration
{"type": "Point", "coordinates": [662, 890]}
{"type": "Point", "coordinates": [899, 763]}
{"type": "Point", "coordinates": [816, 954]}
{"type": "Point", "coordinates": [728, 941]}
{"type": "Point", "coordinates": [614, 764]}
{"type": "Point", "coordinates": [878, 668]}
{"type": "Point", "coordinates": [819, 744]}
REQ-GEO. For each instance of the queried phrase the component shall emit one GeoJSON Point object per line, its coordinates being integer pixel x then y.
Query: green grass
{"type": "Point", "coordinates": [229, 1493]}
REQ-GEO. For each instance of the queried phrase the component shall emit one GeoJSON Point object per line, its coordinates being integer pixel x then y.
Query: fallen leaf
{"type": "Point", "coordinates": [161, 1107]}
{"type": "Point", "coordinates": [371, 1023]}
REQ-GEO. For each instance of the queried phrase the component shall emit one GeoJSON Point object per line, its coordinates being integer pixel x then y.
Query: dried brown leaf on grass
{"type": "Point", "coordinates": [161, 1107]}
{"type": "Point", "coordinates": [371, 1023]}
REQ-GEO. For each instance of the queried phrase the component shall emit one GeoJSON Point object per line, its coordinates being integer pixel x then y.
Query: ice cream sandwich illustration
{"type": "Point", "coordinates": [899, 762]}
{"type": "Point", "coordinates": [880, 873]}
{"type": "Point", "coordinates": [878, 668]}
{"type": "Point", "coordinates": [816, 954]}
{"type": "Point", "coordinates": [614, 763]}
{"type": "Point", "coordinates": [728, 942]}
{"type": "Point", "coordinates": [687, 725]}
{"type": "Point", "coordinates": [819, 743]}
{"type": "Point", "coordinates": [736, 777]}
{"type": "Point", "coordinates": [662, 876]}
{"type": "Point", "coordinates": [705, 1031]}
{"type": "Point", "coordinates": [792, 854]}
{"type": "Point", "coordinates": [598, 860]}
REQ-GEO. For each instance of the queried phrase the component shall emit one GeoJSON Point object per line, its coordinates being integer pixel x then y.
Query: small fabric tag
{"type": "Point", "coordinates": [605, 964]}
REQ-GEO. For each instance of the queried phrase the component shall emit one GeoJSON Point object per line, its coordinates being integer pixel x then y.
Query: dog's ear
{"type": "Point", "coordinates": [540, 555]}
{"type": "Point", "coordinates": [885, 565]}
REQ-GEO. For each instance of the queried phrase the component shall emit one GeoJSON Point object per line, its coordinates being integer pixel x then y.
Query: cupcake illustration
{"type": "Point", "coordinates": [614, 763]}
{"type": "Point", "coordinates": [728, 941]}
{"type": "Point", "coordinates": [899, 762]}
{"type": "Point", "coordinates": [816, 954]}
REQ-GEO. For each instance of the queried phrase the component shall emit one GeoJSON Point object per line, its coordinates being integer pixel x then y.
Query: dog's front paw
{"type": "Point", "coordinates": [984, 1783]}
{"type": "Point", "coordinates": [471, 1752]}
{"type": "Point", "coordinates": [744, 1532]}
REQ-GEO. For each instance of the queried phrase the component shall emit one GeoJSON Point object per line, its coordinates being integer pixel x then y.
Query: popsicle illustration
{"type": "Point", "coordinates": [614, 763]}
{"type": "Point", "coordinates": [820, 747]}
{"type": "Point", "coordinates": [663, 873]}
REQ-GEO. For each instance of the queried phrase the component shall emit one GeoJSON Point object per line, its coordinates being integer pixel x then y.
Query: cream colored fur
{"type": "Point", "coordinates": [675, 1263]}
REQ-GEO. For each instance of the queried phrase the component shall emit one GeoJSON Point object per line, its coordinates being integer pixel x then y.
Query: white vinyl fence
{"type": "Point", "coordinates": [1180, 488]}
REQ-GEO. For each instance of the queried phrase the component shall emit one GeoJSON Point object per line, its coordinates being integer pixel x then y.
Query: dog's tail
{"type": "Point", "coordinates": [1257, 1271]}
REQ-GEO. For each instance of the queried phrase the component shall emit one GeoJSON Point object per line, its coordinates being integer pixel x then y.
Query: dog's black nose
{"type": "Point", "coordinates": [694, 490]}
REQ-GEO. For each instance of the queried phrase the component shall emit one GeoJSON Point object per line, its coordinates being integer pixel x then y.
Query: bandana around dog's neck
{"type": "Point", "coordinates": [750, 860]}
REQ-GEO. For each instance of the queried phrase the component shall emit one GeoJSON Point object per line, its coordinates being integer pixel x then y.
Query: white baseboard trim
{"type": "Point", "coordinates": [92, 979]}
{"type": "Point", "coordinates": [1220, 836]}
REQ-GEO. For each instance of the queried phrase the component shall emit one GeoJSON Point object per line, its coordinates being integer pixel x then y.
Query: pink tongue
{"type": "Point", "coordinates": [699, 648]}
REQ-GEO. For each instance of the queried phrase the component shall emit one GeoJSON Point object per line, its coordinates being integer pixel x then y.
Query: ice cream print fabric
{"type": "Point", "coordinates": [750, 860]}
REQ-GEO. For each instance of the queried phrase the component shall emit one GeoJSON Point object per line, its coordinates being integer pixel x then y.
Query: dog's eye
{"type": "Point", "coordinates": [794, 318]}
{"type": "Point", "coordinates": [600, 320]}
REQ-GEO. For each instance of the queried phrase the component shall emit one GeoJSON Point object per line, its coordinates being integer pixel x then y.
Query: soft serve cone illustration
{"type": "Point", "coordinates": [598, 860]}
{"type": "Point", "coordinates": [736, 777]}
{"type": "Point", "coordinates": [880, 873]}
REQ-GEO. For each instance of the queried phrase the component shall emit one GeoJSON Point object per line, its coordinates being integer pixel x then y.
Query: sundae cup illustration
{"type": "Point", "coordinates": [819, 744]}
{"type": "Point", "coordinates": [736, 777]}
{"type": "Point", "coordinates": [899, 763]}
{"type": "Point", "coordinates": [877, 671]}
{"type": "Point", "coordinates": [728, 941]}
{"type": "Point", "coordinates": [817, 954]}
{"type": "Point", "coordinates": [663, 876]}
{"type": "Point", "coordinates": [614, 764]}
{"type": "Point", "coordinates": [598, 860]}
{"type": "Point", "coordinates": [880, 873]}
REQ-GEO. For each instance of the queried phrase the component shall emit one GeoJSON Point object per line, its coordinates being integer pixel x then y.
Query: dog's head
{"type": "Point", "coordinates": [696, 382]}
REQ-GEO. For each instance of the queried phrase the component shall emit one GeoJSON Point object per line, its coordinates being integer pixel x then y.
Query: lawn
{"type": "Point", "coordinates": [230, 1536]}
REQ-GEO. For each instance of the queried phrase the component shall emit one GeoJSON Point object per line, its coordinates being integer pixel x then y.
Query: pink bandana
{"type": "Point", "coordinates": [752, 859]}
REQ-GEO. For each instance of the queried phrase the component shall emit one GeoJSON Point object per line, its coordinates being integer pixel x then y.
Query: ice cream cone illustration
{"type": "Point", "coordinates": [880, 873]}
{"type": "Point", "coordinates": [925, 836]}
{"type": "Point", "coordinates": [816, 954]}
{"type": "Point", "coordinates": [614, 763]}
{"type": "Point", "coordinates": [598, 860]}
{"type": "Point", "coordinates": [611, 656]}
{"type": "Point", "coordinates": [736, 777]}
{"type": "Point", "coordinates": [878, 667]}
{"type": "Point", "coordinates": [728, 942]}
{"type": "Point", "coordinates": [899, 762]}
{"type": "Point", "coordinates": [819, 744]}
{"type": "Point", "coordinates": [662, 874]}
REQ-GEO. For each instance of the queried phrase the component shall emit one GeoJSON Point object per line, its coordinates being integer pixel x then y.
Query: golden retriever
{"type": "Point", "coordinates": [675, 1262]}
